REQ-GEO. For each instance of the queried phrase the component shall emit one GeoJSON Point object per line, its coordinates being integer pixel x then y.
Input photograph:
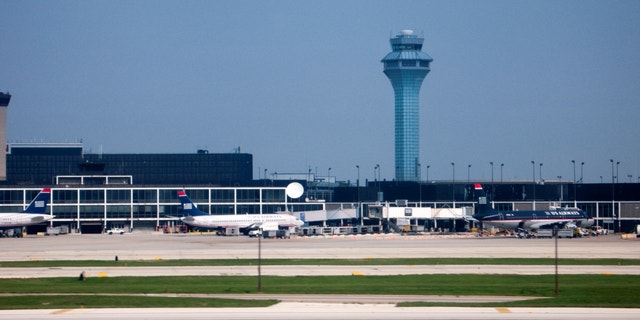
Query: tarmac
{"type": "Point", "coordinates": [309, 270]}
{"type": "Point", "coordinates": [157, 246]}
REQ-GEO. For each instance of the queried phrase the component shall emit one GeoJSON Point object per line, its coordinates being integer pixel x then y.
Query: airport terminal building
{"type": "Point", "coordinates": [94, 192]}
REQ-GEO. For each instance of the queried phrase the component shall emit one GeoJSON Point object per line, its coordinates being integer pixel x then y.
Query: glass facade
{"type": "Point", "coordinates": [92, 209]}
{"type": "Point", "coordinates": [406, 67]}
{"type": "Point", "coordinates": [147, 207]}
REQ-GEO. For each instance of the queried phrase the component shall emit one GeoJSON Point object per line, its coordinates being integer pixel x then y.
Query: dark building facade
{"type": "Point", "coordinates": [40, 164]}
{"type": "Point", "coordinates": [615, 206]}
{"type": "Point", "coordinates": [4, 104]}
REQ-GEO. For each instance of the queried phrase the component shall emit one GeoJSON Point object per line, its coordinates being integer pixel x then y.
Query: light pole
{"type": "Point", "coordinates": [420, 184]}
{"type": "Point", "coordinates": [618, 180]}
{"type": "Point", "coordinates": [468, 181]}
{"type": "Point", "coordinates": [533, 165]}
{"type": "Point", "coordinates": [555, 233]}
{"type": "Point", "coordinates": [453, 185]}
{"type": "Point", "coordinates": [613, 195]}
{"type": "Point", "coordinates": [541, 181]}
{"type": "Point", "coordinates": [428, 166]}
{"type": "Point", "coordinates": [377, 167]}
{"type": "Point", "coordinates": [575, 201]}
{"type": "Point", "coordinates": [501, 166]}
{"type": "Point", "coordinates": [358, 193]}
{"type": "Point", "coordinates": [260, 261]}
{"type": "Point", "coordinates": [491, 163]}
{"type": "Point", "coordinates": [581, 172]}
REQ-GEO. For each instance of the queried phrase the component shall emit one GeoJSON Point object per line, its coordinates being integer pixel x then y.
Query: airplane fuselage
{"type": "Point", "coordinates": [11, 220]}
{"type": "Point", "coordinates": [536, 219]}
{"type": "Point", "coordinates": [240, 221]}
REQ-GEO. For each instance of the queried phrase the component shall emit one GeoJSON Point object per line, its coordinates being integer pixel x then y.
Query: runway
{"type": "Point", "coordinates": [151, 246]}
{"type": "Point", "coordinates": [310, 270]}
{"type": "Point", "coordinates": [322, 311]}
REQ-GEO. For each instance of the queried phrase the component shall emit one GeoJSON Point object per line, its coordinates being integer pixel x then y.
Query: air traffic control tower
{"type": "Point", "coordinates": [4, 103]}
{"type": "Point", "coordinates": [406, 66]}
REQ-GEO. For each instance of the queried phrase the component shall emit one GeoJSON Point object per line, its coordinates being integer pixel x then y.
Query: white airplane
{"type": "Point", "coordinates": [35, 213]}
{"type": "Point", "coordinates": [197, 218]}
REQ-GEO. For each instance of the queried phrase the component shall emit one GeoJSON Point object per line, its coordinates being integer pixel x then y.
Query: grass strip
{"type": "Point", "coordinates": [119, 301]}
{"type": "Point", "coordinates": [575, 290]}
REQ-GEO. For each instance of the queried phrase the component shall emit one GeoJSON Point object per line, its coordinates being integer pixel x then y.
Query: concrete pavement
{"type": "Point", "coordinates": [317, 311]}
{"type": "Point", "coordinates": [149, 246]}
{"type": "Point", "coordinates": [310, 270]}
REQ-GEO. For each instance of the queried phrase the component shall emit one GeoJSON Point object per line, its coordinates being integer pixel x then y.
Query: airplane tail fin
{"type": "Point", "coordinates": [188, 207]}
{"type": "Point", "coordinates": [483, 204]}
{"type": "Point", "coordinates": [39, 204]}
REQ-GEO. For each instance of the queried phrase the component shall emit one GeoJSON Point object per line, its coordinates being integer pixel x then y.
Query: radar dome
{"type": "Point", "coordinates": [294, 190]}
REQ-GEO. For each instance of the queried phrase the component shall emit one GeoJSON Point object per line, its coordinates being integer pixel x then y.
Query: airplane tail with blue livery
{"type": "Point", "coordinates": [35, 213]}
{"type": "Point", "coordinates": [188, 207]}
{"type": "Point", "coordinates": [39, 204]}
{"type": "Point", "coordinates": [483, 206]}
{"type": "Point", "coordinates": [528, 219]}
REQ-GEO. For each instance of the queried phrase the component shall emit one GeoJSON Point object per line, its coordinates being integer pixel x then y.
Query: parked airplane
{"type": "Point", "coordinates": [529, 219]}
{"type": "Point", "coordinates": [35, 213]}
{"type": "Point", "coordinates": [194, 217]}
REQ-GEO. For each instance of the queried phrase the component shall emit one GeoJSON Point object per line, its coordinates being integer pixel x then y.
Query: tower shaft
{"type": "Point", "coordinates": [406, 67]}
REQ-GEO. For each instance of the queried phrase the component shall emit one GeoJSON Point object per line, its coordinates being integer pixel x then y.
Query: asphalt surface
{"type": "Point", "coordinates": [317, 311]}
{"type": "Point", "coordinates": [149, 246]}
{"type": "Point", "coordinates": [309, 270]}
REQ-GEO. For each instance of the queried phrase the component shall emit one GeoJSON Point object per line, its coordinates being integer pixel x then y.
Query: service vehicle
{"type": "Point", "coordinates": [115, 231]}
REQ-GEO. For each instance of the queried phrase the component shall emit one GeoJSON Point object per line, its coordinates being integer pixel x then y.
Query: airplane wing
{"type": "Point", "coordinates": [559, 224]}
{"type": "Point", "coordinates": [489, 217]}
{"type": "Point", "coordinates": [38, 219]}
{"type": "Point", "coordinates": [254, 225]}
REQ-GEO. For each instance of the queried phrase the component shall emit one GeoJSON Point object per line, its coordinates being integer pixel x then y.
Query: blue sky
{"type": "Point", "coordinates": [299, 84]}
